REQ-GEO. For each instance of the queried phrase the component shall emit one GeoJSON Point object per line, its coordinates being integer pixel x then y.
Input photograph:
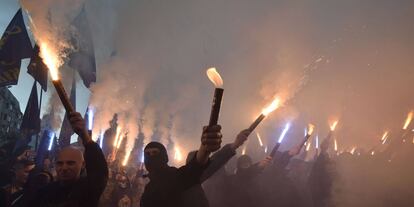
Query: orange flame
{"type": "Point", "coordinates": [310, 129]}
{"type": "Point", "coordinates": [126, 158]}
{"type": "Point", "coordinates": [335, 145]}
{"type": "Point", "coordinates": [333, 125]}
{"type": "Point", "coordinates": [50, 60]}
{"type": "Point", "coordinates": [308, 145]}
{"type": "Point", "coordinates": [273, 106]}
{"type": "Point", "coordinates": [260, 139]}
{"type": "Point", "coordinates": [353, 150]}
{"type": "Point", "coordinates": [215, 77]}
{"type": "Point", "coordinates": [373, 153]}
{"type": "Point", "coordinates": [408, 120]}
{"type": "Point", "coordinates": [177, 154]}
{"type": "Point", "coordinates": [384, 136]}
{"type": "Point", "coordinates": [121, 138]}
{"type": "Point", "coordinates": [244, 150]}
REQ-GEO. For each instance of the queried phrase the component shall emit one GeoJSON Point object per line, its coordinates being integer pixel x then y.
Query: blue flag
{"type": "Point", "coordinates": [83, 57]}
{"type": "Point", "coordinates": [37, 69]}
{"type": "Point", "coordinates": [31, 117]}
{"type": "Point", "coordinates": [14, 45]}
{"type": "Point", "coordinates": [66, 130]}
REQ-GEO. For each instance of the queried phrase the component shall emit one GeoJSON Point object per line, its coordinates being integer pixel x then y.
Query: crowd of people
{"type": "Point", "coordinates": [87, 176]}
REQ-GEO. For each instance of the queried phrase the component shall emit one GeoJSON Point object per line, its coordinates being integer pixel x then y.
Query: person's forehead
{"type": "Point", "coordinates": [70, 155]}
{"type": "Point", "coordinates": [152, 150]}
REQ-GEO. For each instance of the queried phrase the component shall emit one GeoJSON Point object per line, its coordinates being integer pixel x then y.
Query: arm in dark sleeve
{"type": "Point", "coordinates": [282, 160]}
{"type": "Point", "coordinates": [96, 169]}
{"type": "Point", "coordinates": [190, 174]}
{"type": "Point", "coordinates": [218, 160]}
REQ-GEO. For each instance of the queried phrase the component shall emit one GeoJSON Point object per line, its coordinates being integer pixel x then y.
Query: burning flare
{"type": "Point", "coordinates": [308, 145]}
{"type": "Point", "coordinates": [317, 141]}
{"type": "Point", "coordinates": [260, 139]}
{"type": "Point", "coordinates": [50, 59]}
{"type": "Point", "coordinates": [118, 132]}
{"type": "Point", "coordinates": [273, 106]}
{"type": "Point", "coordinates": [285, 130]}
{"type": "Point", "coordinates": [310, 129]}
{"type": "Point", "coordinates": [126, 158]}
{"type": "Point", "coordinates": [121, 138]}
{"type": "Point", "coordinates": [408, 120]}
{"type": "Point", "coordinates": [335, 145]}
{"type": "Point", "coordinates": [177, 154]}
{"type": "Point", "coordinates": [244, 150]}
{"type": "Point", "coordinates": [333, 125]}
{"type": "Point", "coordinates": [353, 150]}
{"type": "Point", "coordinates": [215, 77]}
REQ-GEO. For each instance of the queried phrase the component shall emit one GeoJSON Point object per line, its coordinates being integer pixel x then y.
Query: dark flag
{"type": "Point", "coordinates": [83, 57]}
{"type": "Point", "coordinates": [14, 45]}
{"type": "Point", "coordinates": [37, 69]}
{"type": "Point", "coordinates": [31, 117]}
{"type": "Point", "coordinates": [66, 131]}
{"type": "Point", "coordinates": [42, 151]}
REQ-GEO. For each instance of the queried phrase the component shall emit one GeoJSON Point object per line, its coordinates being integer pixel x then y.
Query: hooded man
{"type": "Point", "coordinates": [168, 183]}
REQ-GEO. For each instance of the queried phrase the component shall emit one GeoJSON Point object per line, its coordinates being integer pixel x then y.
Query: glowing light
{"type": "Point", "coordinates": [121, 138]}
{"type": "Point", "coordinates": [90, 118]}
{"type": "Point", "coordinates": [142, 156]}
{"type": "Point", "coordinates": [384, 136]}
{"type": "Point", "coordinates": [408, 120]}
{"type": "Point", "coordinates": [126, 158]}
{"type": "Point", "coordinates": [353, 150]}
{"type": "Point", "coordinates": [265, 150]}
{"type": "Point", "coordinates": [50, 60]}
{"type": "Point", "coordinates": [285, 130]}
{"type": "Point", "coordinates": [308, 145]}
{"type": "Point", "coordinates": [273, 106]}
{"type": "Point", "coordinates": [215, 77]}
{"type": "Point", "coordinates": [310, 129]}
{"type": "Point", "coordinates": [52, 137]}
{"type": "Point", "coordinates": [244, 150]}
{"type": "Point", "coordinates": [177, 154]}
{"type": "Point", "coordinates": [118, 132]}
{"type": "Point", "coordinates": [335, 145]}
{"type": "Point", "coordinates": [101, 138]}
{"type": "Point", "coordinates": [373, 153]}
{"type": "Point", "coordinates": [317, 142]}
{"type": "Point", "coordinates": [333, 125]}
{"type": "Point", "coordinates": [260, 139]}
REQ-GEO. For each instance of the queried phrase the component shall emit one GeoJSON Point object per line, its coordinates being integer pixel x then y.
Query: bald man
{"type": "Point", "coordinates": [71, 189]}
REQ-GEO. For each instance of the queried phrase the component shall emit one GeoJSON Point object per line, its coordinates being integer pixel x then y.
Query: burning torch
{"type": "Point", "coordinates": [266, 111]}
{"type": "Point", "coordinates": [276, 147]}
{"type": "Point", "coordinates": [309, 132]}
{"type": "Point", "coordinates": [215, 78]}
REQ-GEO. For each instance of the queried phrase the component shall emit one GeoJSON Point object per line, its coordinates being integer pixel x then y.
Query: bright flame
{"type": "Point", "coordinates": [408, 120]}
{"type": "Point", "coordinates": [121, 138]}
{"type": "Point", "coordinates": [178, 155]}
{"type": "Point", "coordinates": [285, 130]}
{"type": "Point", "coordinates": [353, 150]}
{"type": "Point", "coordinates": [333, 125]}
{"type": "Point", "coordinates": [335, 145]}
{"type": "Point", "coordinates": [142, 156]}
{"type": "Point", "coordinates": [215, 77]}
{"type": "Point", "coordinates": [384, 136]}
{"type": "Point", "coordinates": [90, 118]}
{"type": "Point", "coordinates": [260, 139]}
{"type": "Point", "coordinates": [50, 60]}
{"type": "Point", "coordinates": [310, 129]}
{"type": "Point", "coordinates": [118, 132]}
{"type": "Point", "coordinates": [126, 158]}
{"type": "Point", "coordinates": [273, 106]}
{"type": "Point", "coordinates": [308, 145]}
{"type": "Point", "coordinates": [244, 150]}
{"type": "Point", "coordinates": [52, 137]}
{"type": "Point", "coordinates": [373, 153]}
{"type": "Point", "coordinates": [265, 150]}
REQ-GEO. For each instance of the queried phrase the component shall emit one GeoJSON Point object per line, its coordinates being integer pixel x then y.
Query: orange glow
{"type": "Point", "coordinates": [215, 77]}
{"type": "Point", "coordinates": [118, 132]}
{"type": "Point", "coordinates": [273, 106]}
{"type": "Point", "coordinates": [308, 145]}
{"type": "Point", "coordinates": [333, 125]}
{"type": "Point", "coordinates": [353, 150]}
{"type": "Point", "coordinates": [335, 145]}
{"type": "Point", "coordinates": [244, 150]}
{"type": "Point", "coordinates": [50, 60]}
{"type": "Point", "coordinates": [310, 129]}
{"type": "Point", "coordinates": [408, 120]}
{"type": "Point", "coordinates": [126, 158]}
{"type": "Point", "coordinates": [373, 153]}
{"type": "Point", "coordinates": [260, 139]}
{"type": "Point", "coordinates": [384, 136]}
{"type": "Point", "coordinates": [120, 141]}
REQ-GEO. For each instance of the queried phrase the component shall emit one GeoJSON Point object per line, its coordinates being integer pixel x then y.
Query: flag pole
{"type": "Point", "coordinates": [40, 109]}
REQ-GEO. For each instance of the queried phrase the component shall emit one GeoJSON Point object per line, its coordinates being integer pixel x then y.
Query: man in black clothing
{"type": "Point", "coordinates": [71, 189]}
{"type": "Point", "coordinates": [168, 183]}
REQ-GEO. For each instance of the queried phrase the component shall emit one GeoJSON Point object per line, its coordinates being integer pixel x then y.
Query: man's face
{"type": "Point", "coordinates": [150, 152]}
{"type": "Point", "coordinates": [69, 164]}
{"type": "Point", "coordinates": [23, 173]}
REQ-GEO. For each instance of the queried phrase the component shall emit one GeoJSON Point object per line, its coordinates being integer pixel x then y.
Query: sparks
{"type": "Point", "coordinates": [260, 139]}
{"type": "Point", "coordinates": [52, 61]}
{"type": "Point", "coordinates": [408, 120]}
{"type": "Point", "coordinates": [273, 106]}
{"type": "Point", "coordinates": [215, 77]}
{"type": "Point", "coordinates": [52, 137]}
{"type": "Point", "coordinates": [285, 130]}
{"type": "Point", "coordinates": [118, 132]}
